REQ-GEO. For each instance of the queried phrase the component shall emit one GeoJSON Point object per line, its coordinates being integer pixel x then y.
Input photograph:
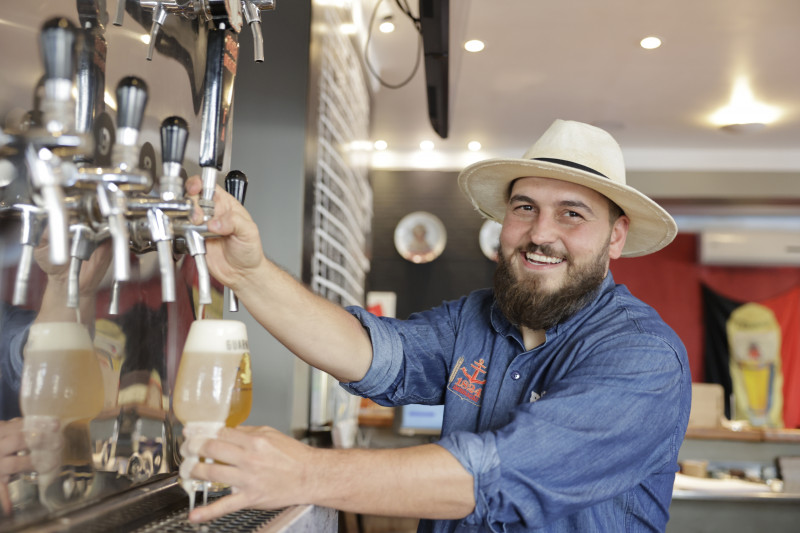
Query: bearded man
{"type": "Point", "coordinates": [565, 398]}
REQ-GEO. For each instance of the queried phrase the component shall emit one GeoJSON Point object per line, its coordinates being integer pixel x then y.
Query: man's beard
{"type": "Point", "coordinates": [525, 303]}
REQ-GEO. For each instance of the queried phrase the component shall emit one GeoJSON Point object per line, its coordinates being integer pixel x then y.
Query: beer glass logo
{"type": "Point", "coordinates": [237, 345]}
{"type": "Point", "coordinates": [754, 339]}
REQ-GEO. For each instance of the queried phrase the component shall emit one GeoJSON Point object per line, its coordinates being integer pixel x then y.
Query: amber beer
{"type": "Point", "coordinates": [242, 395]}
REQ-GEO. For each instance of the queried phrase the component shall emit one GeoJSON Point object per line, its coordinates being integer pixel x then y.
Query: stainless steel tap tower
{"type": "Point", "coordinates": [87, 173]}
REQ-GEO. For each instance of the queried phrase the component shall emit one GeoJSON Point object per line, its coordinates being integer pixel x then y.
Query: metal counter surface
{"type": "Point", "coordinates": [162, 506]}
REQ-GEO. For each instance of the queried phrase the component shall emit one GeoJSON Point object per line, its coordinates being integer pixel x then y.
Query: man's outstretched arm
{"type": "Point", "coordinates": [269, 470]}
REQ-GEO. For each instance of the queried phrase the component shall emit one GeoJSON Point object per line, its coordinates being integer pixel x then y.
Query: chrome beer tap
{"type": "Point", "coordinates": [220, 14]}
{"type": "Point", "coordinates": [32, 218]}
{"type": "Point", "coordinates": [46, 145]}
{"type": "Point", "coordinates": [174, 134]}
{"type": "Point", "coordinates": [112, 183]}
{"type": "Point", "coordinates": [55, 135]}
{"type": "Point", "coordinates": [252, 15]}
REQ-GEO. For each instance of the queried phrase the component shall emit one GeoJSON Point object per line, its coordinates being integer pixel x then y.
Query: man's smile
{"type": "Point", "coordinates": [540, 259]}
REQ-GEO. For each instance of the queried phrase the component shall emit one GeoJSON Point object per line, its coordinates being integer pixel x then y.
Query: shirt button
{"type": "Point", "coordinates": [515, 375]}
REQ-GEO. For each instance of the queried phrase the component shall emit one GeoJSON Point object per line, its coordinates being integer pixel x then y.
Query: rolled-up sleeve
{"type": "Point", "coordinates": [396, 379]}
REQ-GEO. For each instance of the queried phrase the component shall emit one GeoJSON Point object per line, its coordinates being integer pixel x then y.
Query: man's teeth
{"type": "Point", "coordinates": [539, 258]}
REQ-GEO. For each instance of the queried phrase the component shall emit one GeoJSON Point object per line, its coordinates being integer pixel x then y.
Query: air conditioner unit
{"type": "Point", "coordinates": [746, 247]}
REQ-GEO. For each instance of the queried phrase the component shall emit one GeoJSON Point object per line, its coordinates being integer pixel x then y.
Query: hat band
{"type": "Point", "coordinates": [571, 164]}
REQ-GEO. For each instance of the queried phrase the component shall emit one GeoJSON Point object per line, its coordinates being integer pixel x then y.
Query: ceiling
{"type": "Point", "coordinates": [581, 60]}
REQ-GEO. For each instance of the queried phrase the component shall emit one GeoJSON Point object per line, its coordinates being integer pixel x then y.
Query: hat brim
{"type": "Point", "coordinates": [486, 184]}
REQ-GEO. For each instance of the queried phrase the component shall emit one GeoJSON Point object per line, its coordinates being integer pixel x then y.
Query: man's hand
{"type": "Point", "coordinates": [12, 440]}
{"type": "Point", "coordinates": [238, 253]}
{"type": "Point", "coordinates": [266, 469]}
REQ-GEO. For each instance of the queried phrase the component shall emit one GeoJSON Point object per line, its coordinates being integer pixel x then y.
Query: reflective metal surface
{"type": "Point", "coordinates": [95, 232]}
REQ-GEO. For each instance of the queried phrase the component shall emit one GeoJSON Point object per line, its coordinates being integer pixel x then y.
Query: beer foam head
{"type": "Point", "coordinates": [218, 336]}
{"type": "Point", "coordinates": [59, 336]}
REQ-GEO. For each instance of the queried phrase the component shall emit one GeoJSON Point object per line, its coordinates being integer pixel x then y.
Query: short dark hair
{"type": "Point", "coordinates": [614, 211]}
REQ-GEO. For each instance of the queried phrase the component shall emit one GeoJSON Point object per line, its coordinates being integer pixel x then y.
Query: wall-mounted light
{"type": "Point", "coordinates": [474, 146]}
{"type": "Point", "coordinates": [381, 145]}
{"type": "Point", "coordinates": [426, 146]}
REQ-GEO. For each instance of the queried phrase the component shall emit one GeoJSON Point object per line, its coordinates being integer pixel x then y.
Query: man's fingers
{"type": "Point", "coordinates": [12, 438]}
{"type": "Point", "coordinates": [221, 507]}
{"type": "Point", "coordinates": [193, 186]}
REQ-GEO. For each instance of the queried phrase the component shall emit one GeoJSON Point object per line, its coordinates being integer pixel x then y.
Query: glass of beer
{"type": "Point", "coordinates": [207, 373]}
{"type": "Point", "coordinates": [60, 392]}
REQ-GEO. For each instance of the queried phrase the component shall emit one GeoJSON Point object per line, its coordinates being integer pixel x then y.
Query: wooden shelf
{"type": "Point", "coordinates": [745, 435]}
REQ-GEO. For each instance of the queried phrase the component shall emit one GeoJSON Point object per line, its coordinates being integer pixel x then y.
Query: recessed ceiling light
{"type": "Point", "coordinates": [386, 26]}
{"type": "Point", "coordinates": [474, 45]}
{"type": "Point", "coordinates": [427, 146]}
{"type": "Point", "coordinates": [381, 145]}
{"type": "Point", "coordinates": [348, 28]}
{"type": "Point", "coordinates": [474, 146]}
{"type": "Point", "coordinates": [650, 43]}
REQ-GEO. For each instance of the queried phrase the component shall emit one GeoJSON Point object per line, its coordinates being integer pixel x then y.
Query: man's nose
{"type": "Point", "coordinates": [543, 230]}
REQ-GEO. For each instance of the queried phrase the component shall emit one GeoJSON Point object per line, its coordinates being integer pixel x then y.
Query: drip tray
{"type": "Point", "coordinates": [245, 520]}
{"type": "Point", "coordinates": [160, 506]}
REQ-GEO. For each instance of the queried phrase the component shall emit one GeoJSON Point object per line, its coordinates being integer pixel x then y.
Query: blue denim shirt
{"type": "Point", "coordinates": [580, 434]}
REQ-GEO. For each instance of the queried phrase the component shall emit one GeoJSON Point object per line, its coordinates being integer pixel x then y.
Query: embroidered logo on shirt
{"type": "Point", "coordinates": [468, 383]}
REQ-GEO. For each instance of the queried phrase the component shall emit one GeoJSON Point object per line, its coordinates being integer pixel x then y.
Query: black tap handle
{"type": "Point", "coordinates": [236, 185]}
{"type": "Point", "coordinates": [131, 99]}
{"type": "Point", "coordinates": [174, 134]}
{"type": "Point", "coordinates": [58, 48]}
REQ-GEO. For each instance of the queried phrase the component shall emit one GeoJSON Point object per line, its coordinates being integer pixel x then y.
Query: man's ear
{"type": "Point", "coordinates": [619, 232]}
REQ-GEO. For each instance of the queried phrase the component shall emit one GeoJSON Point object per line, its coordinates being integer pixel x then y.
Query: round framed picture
{"type": "Point", "coordinates": [489, 239]}
{"type": "Point", "coordinates": [420, 237]}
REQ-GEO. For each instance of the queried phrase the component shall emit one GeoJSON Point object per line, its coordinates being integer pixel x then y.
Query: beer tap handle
{"type": "Point", "coordinates": [174, 134]}
{"type": "Point", "coordinates": [58, 37]}
{"type": "Point", "coordinates": [131, 102]}
{"type": "Point", "coordinates": [236, 186]}
{"type": "Point", "coordinates": [159, 17]}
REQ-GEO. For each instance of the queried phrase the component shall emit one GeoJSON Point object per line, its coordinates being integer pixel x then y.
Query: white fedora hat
{"type": "Point", "coordinates": [577, 153]}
